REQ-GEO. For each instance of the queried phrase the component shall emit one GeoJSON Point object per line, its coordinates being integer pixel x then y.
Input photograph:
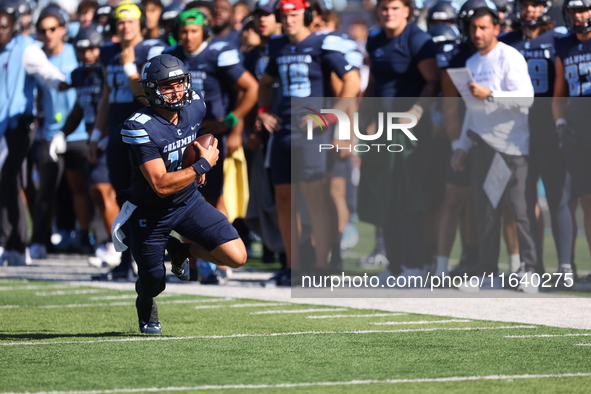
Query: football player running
{"type": "Point", "coordinates": [164, 194]}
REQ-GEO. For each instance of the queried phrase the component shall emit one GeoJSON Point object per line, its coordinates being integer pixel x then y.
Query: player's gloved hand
{"type": "Point", "coordinates": [565, 133]}
{"type": "Point", "coordinates": [57, 145]}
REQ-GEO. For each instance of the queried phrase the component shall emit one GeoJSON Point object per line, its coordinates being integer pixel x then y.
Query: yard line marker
{"type": "Point", "coordinates": [125, 303]}
{"type": "Point", "coordinates": [582, 344]}
{"type": "Point", "coordinates": [299, 311]}
{"type": "Point", "coordinates": [8, 306]}
{"type": "Point", "coordinates": [422, 322]}
{"type": "Point", "coordinates": [311, 384]}
{"type": "Point", "coordinates": [548, 335]}
{"type": "Point", "coordinates": [279, 334]}
{"type": "Point", "coordinates": [69, 292]}
{"type": "Point", "coordinates": [370, 315]}
{"type": "Point", "coordinates": [241, 305]}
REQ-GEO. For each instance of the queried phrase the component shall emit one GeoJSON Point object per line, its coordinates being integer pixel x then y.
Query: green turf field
{"type": "Point", "coordinates": [56, 337]}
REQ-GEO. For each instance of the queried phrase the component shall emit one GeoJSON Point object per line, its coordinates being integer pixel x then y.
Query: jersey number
{"type": "Point", "coordinates": [174, 163]}
{"type": "Point", "coordinates": [538, 72]}
{"type": "Point", "coordinates": [119, 86]}
{"type": "Point", "coordinates": [572, 75]}
{"type": "Point", "coordinates": [295, 81]}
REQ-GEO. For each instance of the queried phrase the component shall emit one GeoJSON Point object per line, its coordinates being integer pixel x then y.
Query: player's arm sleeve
{"type": "Point", "coordinates": [518, 89]}
{"type": "Point", "coordinates": [36, 63]}
{"type": "Point", "coordinates": [229, 62]}
{"type": "Point", "coordinates": [422, 47]}
{"type": "Point", "coordinates": [334, 57]}
{"type": "Point", "coordinates": [139, 141]}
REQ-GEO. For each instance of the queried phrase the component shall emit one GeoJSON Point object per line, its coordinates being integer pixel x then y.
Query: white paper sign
{"type": "Point", "coordinates": [461, 77]}
{"type": "Point", "coordinates": [496, 180]}
{"type": "Point", "coordinates": [3, 151]}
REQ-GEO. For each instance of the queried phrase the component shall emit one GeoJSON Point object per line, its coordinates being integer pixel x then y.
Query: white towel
{"type": "Point", "coordinates": [117, 233]}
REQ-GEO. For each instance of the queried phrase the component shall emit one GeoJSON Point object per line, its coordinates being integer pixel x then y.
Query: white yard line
{"type": "Point", "coordinates": [159, 338]}
{"type": "Point", "coordinates": [548, 335]}
{"type": "Point", "coordinates": [582, 344]}
{"type": "Point", "coordinates": [299, 311]}
{"type": "Point", "coordinates": [68, 292]}
{"type": "Point", "coordinates": [8, 306]}
{"type": "Point", "coordinates": [258, 304]}
{"type": "Point", "coordinates": [124, 303]}
{"type": "Point", "coordinates": [368, 315]}
{"type": "Point", "coordinates": [422, 322]}
{"type": "Point", "coordinates": [311, 384]}
{"type": "Point", "coordinates": [34, 287]}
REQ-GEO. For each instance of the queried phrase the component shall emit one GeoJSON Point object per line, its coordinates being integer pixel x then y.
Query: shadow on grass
{"type": "Point", "coordinates": [41, 335]}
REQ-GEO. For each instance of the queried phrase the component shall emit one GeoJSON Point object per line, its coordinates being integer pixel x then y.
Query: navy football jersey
{"type": "Point", "coordinates": [232, 38]}
{"type": "Point", "coordinates": [576, 58]}
{"type": "Point", "coordinates": [152, 137]}
{"type": "Point", "coordinates": [255, 62]}
{"type": "Point", "coordinates": [304, 68]}
{"type": "Point", "coordinates": [539, 54]}
{"type": "Point", "coordinates": [122, 103]}
{"type": "Point", "coordinates": [213, 71]}
{"type": "Point", "coordinates": [394, 61]}
{"type": "Point", "coordinates": [89, 87]}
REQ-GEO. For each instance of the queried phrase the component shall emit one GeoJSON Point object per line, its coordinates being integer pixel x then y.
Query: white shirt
{"type": "Point", "coordinates": [503, 122]}
{"type": "Point", "coordinates": [36, 63]}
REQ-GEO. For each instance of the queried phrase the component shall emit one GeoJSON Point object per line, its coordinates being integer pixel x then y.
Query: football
{"type": "Point", "coordinates": [191, 153]}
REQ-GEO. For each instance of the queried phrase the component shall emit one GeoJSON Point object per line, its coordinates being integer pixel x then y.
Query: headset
{"type": "Point", "coordinates": [308, 13]}
{"type": "Point", "coordinates": [197, 15]}
{"type": "Point", "coordinates": [127, 6]}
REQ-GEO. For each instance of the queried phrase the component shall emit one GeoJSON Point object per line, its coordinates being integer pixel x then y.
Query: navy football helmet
{"type": "Point", "coordinates": [445, 34]}
{"type": "Point", "coordinates": [576, 4]}
{"type": "Point", "coordinates": [165, 68]}
{"type": "Point", "coordinates": [442, 11]}
{"type": "Point", "coordinates": [467, 10]}
{"type": "Point", "coordinates": [543, 18]}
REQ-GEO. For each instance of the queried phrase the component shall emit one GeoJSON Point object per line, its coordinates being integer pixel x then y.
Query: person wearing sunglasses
{"type": "Point", "coordinates": [22, 66]}
{"type": "Point", "coordinates": [59, 155]}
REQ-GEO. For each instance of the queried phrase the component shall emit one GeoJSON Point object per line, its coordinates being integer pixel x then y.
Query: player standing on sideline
{"type": "Point", "coordinates": [502, 82]}
{"type": "Point", "coordinates": [573, 60]}
{"type": "Point", "coordinates": [535, 40]}
{"type": "Point", "coordinates": [88, 80]}
{"type": "Point", "coordinates": [166, 196]}
{"type": "Point", "coordinates": [24, 64]}
{"type": "Point", "coordinates": [261, 216]}
{"type": "Point", "coordinates": [222, 24]}
{"type": "Point", "coordinates": [402, 64]}
{"type": "Point", "coordinates": [121, 62]}
{"type": "Point", "coordinates": [302, 61]}
{"type": "Point", "coordinates": [58, 155]}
